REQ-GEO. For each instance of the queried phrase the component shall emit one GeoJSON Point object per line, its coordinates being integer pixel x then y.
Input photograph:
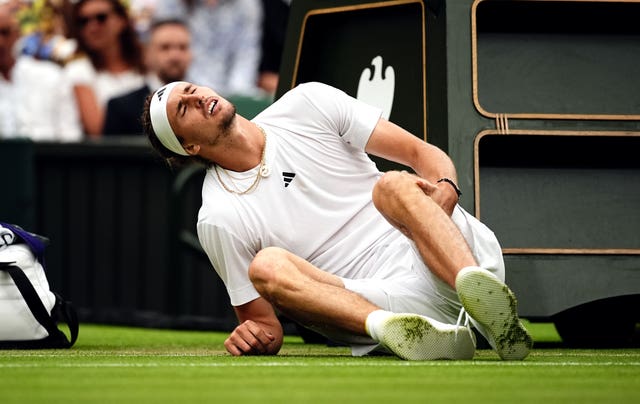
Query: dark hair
{"type": "Point", "coordinates": [167, 21]}
{"type": "Point", "coordinates": [172, 159]}
{"type": "Point", "coordinates": [132, 50]}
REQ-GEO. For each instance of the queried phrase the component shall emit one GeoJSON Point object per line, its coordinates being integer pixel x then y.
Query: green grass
{"type": "Point", "coordinates": [131, 365]}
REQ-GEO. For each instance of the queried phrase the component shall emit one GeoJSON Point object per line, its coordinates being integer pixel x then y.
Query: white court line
{"type": "Point", "coordinates": [311, 365]}
{"type": "Point", "coordinates": [592, 354]}
{"type": "Point", "coordinates": [136, 354]}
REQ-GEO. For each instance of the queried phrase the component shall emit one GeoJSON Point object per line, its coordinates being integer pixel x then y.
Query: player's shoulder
{"type": "Point", "coordinates": [315, 86]}
{"type": "Point", "coordinates": [313, 93]}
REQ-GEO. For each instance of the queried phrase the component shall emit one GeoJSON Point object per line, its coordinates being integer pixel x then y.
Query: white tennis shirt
{"type": "Point", "coordinates": [316, 202]}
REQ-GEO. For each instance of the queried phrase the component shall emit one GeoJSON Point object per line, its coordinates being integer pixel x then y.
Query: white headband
{"type": "Point", "coordinates": [160, 121]}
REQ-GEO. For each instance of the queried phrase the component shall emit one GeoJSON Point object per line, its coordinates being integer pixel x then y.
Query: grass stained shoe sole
{"type": "Point", "coordinates": [490, 302]}
{"type": "Point", "coordinates": [414, 337]}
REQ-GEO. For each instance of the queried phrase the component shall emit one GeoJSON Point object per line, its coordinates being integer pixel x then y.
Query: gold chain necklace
{"type": "Point", "coordinates": [263, 171]}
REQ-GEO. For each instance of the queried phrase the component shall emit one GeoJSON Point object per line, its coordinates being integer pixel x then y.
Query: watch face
{"type": "Point", "coordinates": [372, 51]}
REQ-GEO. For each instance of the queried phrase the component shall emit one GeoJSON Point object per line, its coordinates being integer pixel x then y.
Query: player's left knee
{"type": "Point", "coordinates": [265, 271]}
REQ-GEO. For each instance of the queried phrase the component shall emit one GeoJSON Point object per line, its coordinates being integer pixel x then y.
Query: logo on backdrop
{"type": "Point", "coordinates": [376, 88]}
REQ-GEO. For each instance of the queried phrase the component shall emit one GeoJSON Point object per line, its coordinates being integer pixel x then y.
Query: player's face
{"type": "Point", "coordinates": [199, 114]}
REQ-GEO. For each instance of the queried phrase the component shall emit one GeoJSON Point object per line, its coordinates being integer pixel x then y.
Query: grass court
{"type": "Point", "coordinates": [112, 364]}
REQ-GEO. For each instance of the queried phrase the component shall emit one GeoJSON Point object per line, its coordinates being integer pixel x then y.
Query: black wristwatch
{"type": "Point", "coordinates": [453, 184]}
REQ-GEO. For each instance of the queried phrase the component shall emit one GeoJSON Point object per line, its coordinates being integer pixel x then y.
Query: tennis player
{"type": "Point", "coordinates": [297, 219]}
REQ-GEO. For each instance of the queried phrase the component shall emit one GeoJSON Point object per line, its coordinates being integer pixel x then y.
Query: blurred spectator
{"type": "Point", "coordinates": [276, 14]}
{"type": "Point", "coordinates": [37, 73]}
{"type": "Point", "coordinates": [45, 26]}
{"type": "Point", "coordinates": [30, 80]}
{"type": "Point", "coordinates": [9, 34]}
{"type": "Point", "coordinates": [226, 41]}
{"type": "Point", "coordinates": [142, 12]}
{"type": "Point", "coordinates": [168, 56]}
{"type": "Point", "coordinates": [109, 61]}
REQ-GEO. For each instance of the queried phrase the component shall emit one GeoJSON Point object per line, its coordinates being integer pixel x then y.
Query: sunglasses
{"type": "Point", "coordinates": [100, 18]}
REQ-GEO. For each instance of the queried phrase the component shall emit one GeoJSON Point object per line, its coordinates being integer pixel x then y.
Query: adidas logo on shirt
{"type": "Point", "coordinates": [288, 177]}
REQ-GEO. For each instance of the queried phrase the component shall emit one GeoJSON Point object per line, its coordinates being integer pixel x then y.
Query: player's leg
{"type": "Point", "coordinates": [319, 300]}
{"type": "Point", "coordinates": [446, 253]}
{"type": "Point", "coordinates": [305, 293]}
{"type": "Point", "coordinates": [404, 204]}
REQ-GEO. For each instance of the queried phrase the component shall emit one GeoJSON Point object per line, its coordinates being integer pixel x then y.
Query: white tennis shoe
{"type": "Point", "coordinates": [493, 306]}
{"type": "Point", "coordinates": [415, 337]}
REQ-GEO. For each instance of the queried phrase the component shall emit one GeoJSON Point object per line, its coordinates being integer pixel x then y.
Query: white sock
{"type": "Point", "coordinates": [374, 322]}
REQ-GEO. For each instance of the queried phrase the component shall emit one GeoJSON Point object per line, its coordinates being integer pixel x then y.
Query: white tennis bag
{"type": "Point", "coordinates": [29, 310]}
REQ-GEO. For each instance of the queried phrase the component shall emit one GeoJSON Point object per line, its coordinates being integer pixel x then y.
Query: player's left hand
{"type": "Point", "coordinates": [442, 193]}
{"type": "Point", "coordinates": [249, 339]}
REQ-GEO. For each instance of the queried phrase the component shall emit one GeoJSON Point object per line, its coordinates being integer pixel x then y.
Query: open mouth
{"type": "Point", "coordinates": [212, 106]}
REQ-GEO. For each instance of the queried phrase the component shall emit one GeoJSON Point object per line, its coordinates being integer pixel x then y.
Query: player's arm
{"type": "Point", "coordinates": [259, 331]}
{"type": "Point", "coordinates": [394, 143]}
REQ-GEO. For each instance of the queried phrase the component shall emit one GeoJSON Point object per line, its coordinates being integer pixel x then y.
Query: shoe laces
{"type": "Point", "coordinates": [461, 323]}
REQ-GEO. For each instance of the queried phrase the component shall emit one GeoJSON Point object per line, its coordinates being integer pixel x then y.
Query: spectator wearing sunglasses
{"type": "Point", "coordinates": [109, 61]}
{"type": "Point", "coordinates": [168, 56]}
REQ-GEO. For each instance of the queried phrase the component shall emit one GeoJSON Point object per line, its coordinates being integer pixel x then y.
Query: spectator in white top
{"type": "Point", "coordinates": [37, 75]}
{"type": "Point", "coordinates": [109, 61]}
{"type": "Point", "coordinates": [226, 41]}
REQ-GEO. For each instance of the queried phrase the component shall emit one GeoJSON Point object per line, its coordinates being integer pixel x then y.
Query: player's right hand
{"type": "Point", "coordinates": [249, 338]}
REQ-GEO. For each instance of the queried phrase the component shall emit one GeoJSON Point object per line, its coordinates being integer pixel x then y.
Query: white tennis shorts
{"type": "Point", "coordinates": [412, 288]}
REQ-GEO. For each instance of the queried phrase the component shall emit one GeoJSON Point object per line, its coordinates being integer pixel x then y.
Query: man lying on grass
{"type": "Point", "coordinates": [297, 218]}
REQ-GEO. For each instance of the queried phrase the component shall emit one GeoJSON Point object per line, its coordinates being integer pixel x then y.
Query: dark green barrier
{"type": "Point", "coordinates": [107, 208]}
